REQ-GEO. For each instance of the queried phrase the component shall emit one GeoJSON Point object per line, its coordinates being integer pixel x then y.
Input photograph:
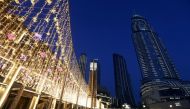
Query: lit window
{"type": "Point", "coordinates": [178, 104]}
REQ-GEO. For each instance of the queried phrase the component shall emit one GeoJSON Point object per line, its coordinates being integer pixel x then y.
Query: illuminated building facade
{"type": "Point", "coordinates": [38, 66]}
{"type": "Point", "coordinates": [122, 81]}
{"type": "Point", "coordinates": [104, 96]}
{"type": "Point", "coordinates": [160, 80]}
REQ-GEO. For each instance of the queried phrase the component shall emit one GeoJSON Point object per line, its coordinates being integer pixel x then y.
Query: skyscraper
{"type": "Point", "coordinates": [93, 82]}
{"type": "Point", "coordinates": [82, 64]}
{"type": "Point", "coordinates": [160, 80]}
{"type": "Point", "coordinates": [122, 81]}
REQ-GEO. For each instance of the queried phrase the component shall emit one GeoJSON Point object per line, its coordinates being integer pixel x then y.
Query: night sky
{"type": "Point", "coordinates": [103, 27]}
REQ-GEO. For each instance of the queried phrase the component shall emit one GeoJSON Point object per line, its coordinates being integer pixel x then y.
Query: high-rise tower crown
{"type": "Point", "coordinates": [137, 16]}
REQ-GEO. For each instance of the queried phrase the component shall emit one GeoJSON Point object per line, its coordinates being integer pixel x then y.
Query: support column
{"type": "Point", "coordinates": [69, 106]}
{"type": "Point", "coordinates": [9, 80]}
{"type": "Point", "coordinates": [52, 104]}
{"type": "Point", "coordinates": [17, 98]}
{"type": "Point", "coordinates": [65, 106]}
{"type": "Point", "coordinates": [39, 89]}
{"type": "Point", "coordinates": [72, 106]}
{"type": "Point", "coordinates": [34, 102]}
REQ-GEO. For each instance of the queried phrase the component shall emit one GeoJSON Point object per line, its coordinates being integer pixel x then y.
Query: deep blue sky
{"type": "Point", "coordinates": [102, 27]}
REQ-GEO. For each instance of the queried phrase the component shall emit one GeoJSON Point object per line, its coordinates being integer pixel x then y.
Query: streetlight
{"type": "Point", "coordinates": [171, 106]}
{"type": "Point", "coordinates": [126, 106]}
{"type": "Point", "coordinates": [144, 106]}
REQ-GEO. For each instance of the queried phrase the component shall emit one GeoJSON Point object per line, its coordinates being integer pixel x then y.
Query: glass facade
{"type": "Point", "coordinates": [122, 81]}
{"type": "Point", "coordinates": [152, 55]}
{"type": "Point", "coordinates": [160, 80]}
{"type": "Point", "coordinates": [83, 64]}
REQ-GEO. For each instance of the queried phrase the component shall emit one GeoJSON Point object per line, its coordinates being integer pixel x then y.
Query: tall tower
{"type": "Point", "coordinates": [93, 82]}
{"type": "Point", "coordinates": [82, 64]}
{"type": "Point", "coordinates": [160, 80]}
{"type": "Point", "coordinates": [152, 55]}
{"type": "Point", "coordinates": [122, 81]}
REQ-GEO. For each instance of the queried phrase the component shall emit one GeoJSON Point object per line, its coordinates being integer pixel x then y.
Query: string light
{"type": "Point", "coordinates": [36, 35]}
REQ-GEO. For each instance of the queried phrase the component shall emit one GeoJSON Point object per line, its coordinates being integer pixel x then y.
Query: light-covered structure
{"type": "Point", "coordinates": [38, 66]}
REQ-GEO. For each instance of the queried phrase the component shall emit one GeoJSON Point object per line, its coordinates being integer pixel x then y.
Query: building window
{"type": "Point", "coordinates": [177, 104]}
